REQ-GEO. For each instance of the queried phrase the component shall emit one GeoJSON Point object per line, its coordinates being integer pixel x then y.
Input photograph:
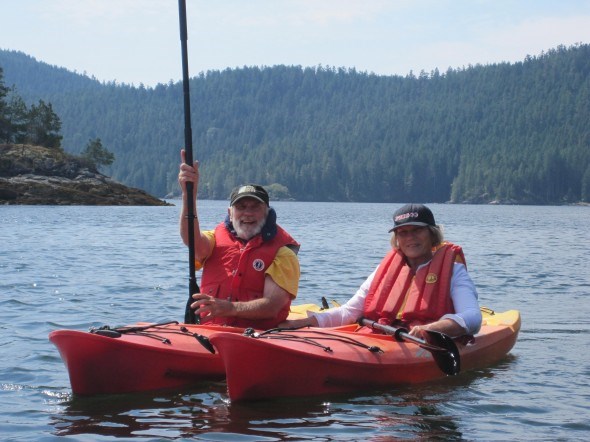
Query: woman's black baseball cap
{"type": "Point", "coordinates": [413, 215]}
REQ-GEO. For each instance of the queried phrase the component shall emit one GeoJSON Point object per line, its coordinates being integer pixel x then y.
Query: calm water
{"type": "Point", "coordinates": [78, 267]}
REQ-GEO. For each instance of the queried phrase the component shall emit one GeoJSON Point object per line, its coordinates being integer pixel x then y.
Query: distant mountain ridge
{"type": "Point", "coordinates": [506, 133]}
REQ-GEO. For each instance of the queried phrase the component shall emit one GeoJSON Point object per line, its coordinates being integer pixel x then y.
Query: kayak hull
{"type": "Point", "coordinates": [295, 365]}
{"type": "Point", "coordinates": [157, 357]}
{"type": "Point", "coordinates": [99, 364]}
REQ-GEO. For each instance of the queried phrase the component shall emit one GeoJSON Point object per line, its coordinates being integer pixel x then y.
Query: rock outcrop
{"type": "Point", "coordinates": [38, 175]}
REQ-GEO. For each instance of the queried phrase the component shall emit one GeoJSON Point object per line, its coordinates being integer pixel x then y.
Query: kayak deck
{"type": "Point", "coordinates": [314, 361]}
{"type": "Point", "coordinates": [305, 362]}
{"type": "Point", "coordinates": [143, 356]}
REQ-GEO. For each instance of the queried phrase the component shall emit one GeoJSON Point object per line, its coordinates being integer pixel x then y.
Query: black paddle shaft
{"type": "Point", "coordinates": [189, 314]}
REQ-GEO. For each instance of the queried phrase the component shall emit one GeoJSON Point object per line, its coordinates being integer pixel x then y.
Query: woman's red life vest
{"type": "Point", "coordinates": [236, 271]}
{"type": "Point", "coordinates": [398, 294]}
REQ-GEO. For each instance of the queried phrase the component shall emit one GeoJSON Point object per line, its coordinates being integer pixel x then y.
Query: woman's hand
{"type": "Point", "coordinates": [418, 331]}
{"type": "Point", "coordinates": [446, 326]}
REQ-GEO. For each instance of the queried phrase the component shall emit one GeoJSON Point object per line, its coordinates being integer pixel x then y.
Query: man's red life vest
{"type": "Point", "coordinates": [236, 271]}
{"type": "Point", "coordinates": [397, 293]}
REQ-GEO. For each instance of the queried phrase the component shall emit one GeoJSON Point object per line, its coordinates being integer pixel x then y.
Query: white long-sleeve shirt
{"type": "Point", "coordinates": [463, 293]}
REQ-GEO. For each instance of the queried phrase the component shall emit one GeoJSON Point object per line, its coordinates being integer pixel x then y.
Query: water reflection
{"type": "Point", "coordinates": [169, 414]}
{"type": "Point", "coordinates": [420, 411]}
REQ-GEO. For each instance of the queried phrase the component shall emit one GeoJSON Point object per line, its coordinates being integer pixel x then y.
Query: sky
{"type": "Point", "coordinates": [138, 41]}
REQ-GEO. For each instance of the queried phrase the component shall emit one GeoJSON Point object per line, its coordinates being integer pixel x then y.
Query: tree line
{"type": "Point", "coordinates": [39, 125]}
{"type": "Point", "coordinates": [507, 132]}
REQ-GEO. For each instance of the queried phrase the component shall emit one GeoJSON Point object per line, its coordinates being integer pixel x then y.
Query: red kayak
{"type": "Point", "coordinates": [147, 357]}
{"type": "Point", "coordinates": [315, 361]}
{"type": "Point", "coordinates": [143, 356]}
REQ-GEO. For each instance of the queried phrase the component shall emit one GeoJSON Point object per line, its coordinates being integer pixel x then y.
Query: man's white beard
{"type": "Point", "coordinates": [248, 231]}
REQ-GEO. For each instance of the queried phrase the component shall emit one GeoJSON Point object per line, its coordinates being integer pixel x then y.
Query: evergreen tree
{"type": "Point", "coordinates": [97, 154]}
{"type": "Point", "coordinates": [18, 115]}
{"type": "Point", "coordinates": [5, 122]}
{"type": "Point", "coordinates": [43, 126]}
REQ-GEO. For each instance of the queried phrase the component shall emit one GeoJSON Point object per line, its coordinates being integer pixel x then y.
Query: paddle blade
{"type": "Point", "coordinates": [444, 351]}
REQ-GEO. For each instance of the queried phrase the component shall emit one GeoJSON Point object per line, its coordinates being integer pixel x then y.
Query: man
{"type": "Point", "coordinates": [250, 266]}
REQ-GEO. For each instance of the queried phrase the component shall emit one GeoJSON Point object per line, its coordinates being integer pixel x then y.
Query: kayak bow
{"type": "Point", "coordinates": [144, 356]}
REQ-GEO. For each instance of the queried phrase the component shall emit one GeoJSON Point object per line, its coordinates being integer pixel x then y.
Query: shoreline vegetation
{"type": "Point", "coordinates": [501, 133]}
{"type": "Point", "coordinates": [36, 175]}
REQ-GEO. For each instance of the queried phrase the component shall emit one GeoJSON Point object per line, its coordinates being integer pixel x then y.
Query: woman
{"type": "Point", "coordinates": [421, 284]}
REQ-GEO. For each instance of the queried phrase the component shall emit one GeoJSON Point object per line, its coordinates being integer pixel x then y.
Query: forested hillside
{"type": "Point", "coordinates": [502, 132]}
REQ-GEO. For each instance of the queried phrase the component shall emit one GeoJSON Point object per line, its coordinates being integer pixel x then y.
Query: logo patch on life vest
{"type": "Point", "coordinates": [258, 265]}
{"type": "Point", "coordinates": [431, 278]}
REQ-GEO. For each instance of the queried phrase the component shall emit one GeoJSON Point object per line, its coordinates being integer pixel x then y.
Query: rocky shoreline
{"type": "Point", "coordinates": [37, 175]}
